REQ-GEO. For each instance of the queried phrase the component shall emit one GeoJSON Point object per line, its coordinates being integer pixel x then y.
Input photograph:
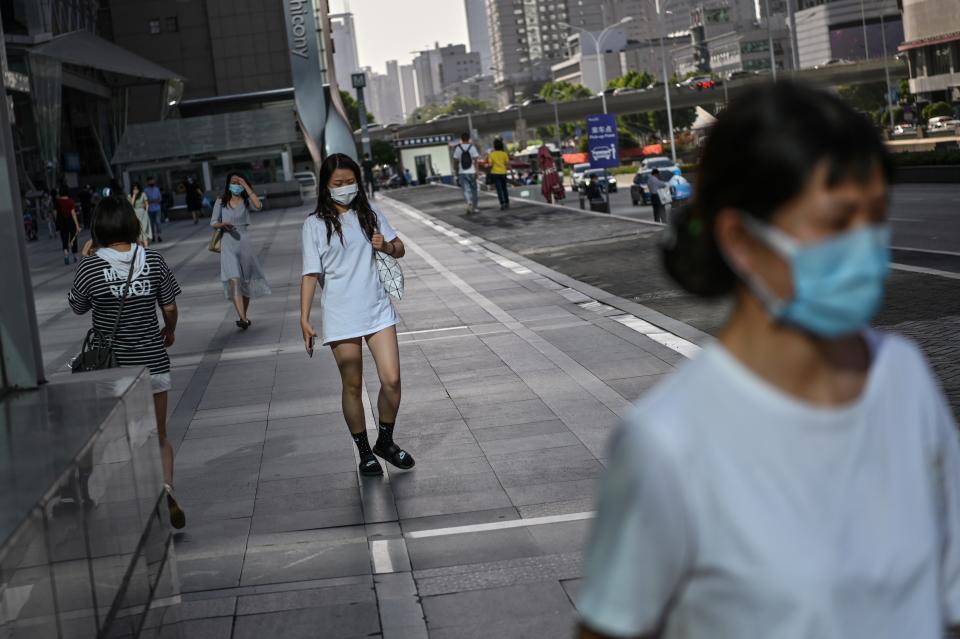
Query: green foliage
{"type": "Point", "coordinates": [897, 116]}
{"type": "Point", "coordinates": [383, 152]}
{"type": "Point", "coordinates": [633, 80]}
{"type": "Point", "coordinates": [866, 98]}
{"type": "Point", "coordinates": [904, 90]}
{"type": "Point", "coordinates": [936, 109]}
{"type": "Point", "coordinates": [564, 92]}
{"type": "Point", "coordinates": [353, 111]}
{"type": "Point", "coordinates": [426, 112]}
{"type": "Point", "coordinates": [682, 118]}
{"type": "Point", "coordinates": [938, 157]}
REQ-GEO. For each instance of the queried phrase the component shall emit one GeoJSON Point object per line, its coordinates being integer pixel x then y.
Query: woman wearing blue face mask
{"type": "Point", "coordinates": [340, 239]}
{"type": "Point", "coordinates": [240, 269]}
{"type": "Point", "coordinates": [799, 477]}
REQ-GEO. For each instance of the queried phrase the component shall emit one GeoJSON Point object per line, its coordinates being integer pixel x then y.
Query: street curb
{"type": "Point", "coordinates": [669, 324]}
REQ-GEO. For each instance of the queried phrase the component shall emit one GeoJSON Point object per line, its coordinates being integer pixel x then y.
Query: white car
{"type": "Point", "coordinates": [940, 122]}
{"type": "Point", "coordinates": [604, 153]}
{"type": "Point", "coordinates": [576, 176]}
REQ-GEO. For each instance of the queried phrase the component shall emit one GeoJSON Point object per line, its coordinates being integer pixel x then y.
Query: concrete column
{"type": "Point", "coordinates": [287, 159]}
{"type": "Point", "coordinates": [126, 182]}
{"type": "Point", "coordinates": [207, 178]}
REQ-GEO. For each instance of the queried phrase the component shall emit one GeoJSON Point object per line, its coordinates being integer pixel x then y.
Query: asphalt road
{"type": "Point", "coordinates": [925, 217]}
{"type": "Point", "coordinates": [621, 256]}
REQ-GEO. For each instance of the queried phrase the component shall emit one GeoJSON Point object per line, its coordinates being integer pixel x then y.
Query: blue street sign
{"type": "Point", "coordinates": [602, 141]}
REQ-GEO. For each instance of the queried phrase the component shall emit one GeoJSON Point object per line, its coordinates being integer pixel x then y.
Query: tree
{"type": "Point", "coordinates": [562, 92]}
{"type": "Point", "coordinates": [682, 118]}
{"type": "Point", "coordinates": [460, 105]}
{"type": "Point", "coordinates": [936, 109]}
{"type": "Point", "coordinates": [870, 97]}
{"type": "Point", "coordinates": [425, 113]}
{"type": "Point", "coordinates": [904, 90]}
{"type": "Point", "coordinates": [353, 111]}
{"type": "Point", "coordinates": [383, 152]}
{"type": "Point", "coordinates": [632, 80]}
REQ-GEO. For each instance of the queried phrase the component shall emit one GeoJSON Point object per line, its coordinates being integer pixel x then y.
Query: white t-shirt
{"type": "Point", "coordinates": [353, 302]}
{"type": "Point", "coordinates": [459, 151]}
{"type": "Point", "coordinates": [731, 510]}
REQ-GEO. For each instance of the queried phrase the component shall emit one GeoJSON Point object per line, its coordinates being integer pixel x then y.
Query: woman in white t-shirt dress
{"type": "Point", "coordinates": [798, 479]}
{"type": "Point", "coordinates": [339, 240]}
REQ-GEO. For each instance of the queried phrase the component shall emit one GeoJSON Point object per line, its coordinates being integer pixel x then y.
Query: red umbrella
{"type": "Point", "coordinates": [552, 184]}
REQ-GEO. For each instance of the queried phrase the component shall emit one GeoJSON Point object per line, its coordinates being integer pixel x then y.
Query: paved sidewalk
{"type": "Point", "coordinates": [512, 383]}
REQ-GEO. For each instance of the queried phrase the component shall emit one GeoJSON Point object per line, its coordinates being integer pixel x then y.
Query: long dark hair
{"type": "Point", "coordinates": [327, 209]}
{"type": "Point", "coordinates": [760, 154]}
{"type": "Point", "coordinates": [225, 197]}
{"type": "Point", "coordinates": [136, 187]}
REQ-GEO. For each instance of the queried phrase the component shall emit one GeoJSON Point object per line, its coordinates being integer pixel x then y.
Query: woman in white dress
{"type": "Point", "coordinates": [800, 477]}
{"type": "Point", "coordinates": [139, 201]}
{"type": "Point", "coordinates": [339, 240]}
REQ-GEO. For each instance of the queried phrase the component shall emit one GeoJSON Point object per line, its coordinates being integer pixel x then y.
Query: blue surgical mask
{"type": "Point", "coordinates": [237, 189]}
{"type": "Point", "coordinates": [344, 194]}
{"type": "Point", "coordinates": [837, 283]}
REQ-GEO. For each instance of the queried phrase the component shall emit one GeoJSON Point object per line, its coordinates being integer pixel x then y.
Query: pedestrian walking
{"type": "Point", "coordinates": [368, 177]}
{"type": "Point", "coordinates": [99, 285]}
{"type": "Point", "coordinates": [194, 196]}
{"type": "Point", "coordinates": [800, 477]}
{"type": "Point", "coordinates": [68, 225]}
{"type": "Point", "coordinates": [154, 201]}
{"type": "Point", "coordinates": [240, 270]}
{"type": "Point", "coordinates": [465, 158]}
{"type": "Point", "coordinates": [499, 163]}
{"type": "Point", "coordinates": [140, 204]}
{"type": "Point", "coordinates": [407, 177]}
{"type": "Point", "coordinates": [339, 241]}
{"type": "Point", "coordinates": [656, 187]}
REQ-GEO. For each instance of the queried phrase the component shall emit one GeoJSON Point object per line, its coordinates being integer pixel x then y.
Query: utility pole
{"type": "Point", "coordinates": [556, 123]}
{"type": "Point", "coordinates": [863, 21]}
{"type": "Point", "coordinates": [359, 80]}
{"type": "Point", "coordinates": [886, 69]}
{"type": "Point", "coordinates": [792, 24]}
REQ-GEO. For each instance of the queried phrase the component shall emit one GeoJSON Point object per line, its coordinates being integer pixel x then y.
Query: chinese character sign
{"type": "Point", "coordinates": [602, 141]}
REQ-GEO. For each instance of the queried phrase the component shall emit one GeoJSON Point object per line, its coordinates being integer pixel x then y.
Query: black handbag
{"type": "Point", "coordinates": [97, 352]}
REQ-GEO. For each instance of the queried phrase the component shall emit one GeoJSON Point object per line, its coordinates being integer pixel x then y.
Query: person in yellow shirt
{"type": "Point", "coordinates": [499, 161]}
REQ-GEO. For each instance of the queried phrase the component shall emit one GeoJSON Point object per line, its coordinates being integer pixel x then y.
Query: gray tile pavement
{"type": "Point", "coordinates": [510, 392]}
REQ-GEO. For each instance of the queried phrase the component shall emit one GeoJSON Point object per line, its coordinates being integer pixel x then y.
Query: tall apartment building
{"type": "Point", "coordinates": [835, 30]}
{"type": "Point", "coordinates": [440, 67]}
{"type": "Point", "coordinates": [478, 31]}
{"type": "Point", "coordinates": [345, 57]}
{"type": "Point", "coordinates": [932, 32]}
{"type": "Point", "coordinates": [408, 89]}
{"type": "Point", "coordinates": [385, 94]}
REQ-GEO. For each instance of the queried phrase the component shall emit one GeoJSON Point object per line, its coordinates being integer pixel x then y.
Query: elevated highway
{"type": "Point", "coordinates": [641, 101]}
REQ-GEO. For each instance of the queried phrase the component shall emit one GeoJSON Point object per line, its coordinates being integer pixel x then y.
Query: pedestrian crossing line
{"type": "Point", "coordinates": [499, 525]}
{"type": "Point", "coordinates": [684, 347]}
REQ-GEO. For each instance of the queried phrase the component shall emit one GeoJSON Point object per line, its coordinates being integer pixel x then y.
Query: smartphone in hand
{"type": "Point", "coordinates": [313, 338]}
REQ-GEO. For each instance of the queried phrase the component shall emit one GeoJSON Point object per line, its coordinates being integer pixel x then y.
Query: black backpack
{"type": "Point", "coordinates": [466, 160]}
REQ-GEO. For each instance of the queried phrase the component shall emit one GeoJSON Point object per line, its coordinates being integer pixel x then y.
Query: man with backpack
{"type": "Point", "coordinates": [465, 157]}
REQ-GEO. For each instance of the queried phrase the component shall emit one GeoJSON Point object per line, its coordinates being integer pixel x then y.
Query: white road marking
{"type": "Point", "coordinates": [498, 525]}
{"type": "Point", "coordinates": [920, 250]}
{"type": "Point", "coordinates": [380, 552]}
{"type": "Point", "coordinates": [925, 271]}
{"type": "Point", "coordinates": [657, 334]}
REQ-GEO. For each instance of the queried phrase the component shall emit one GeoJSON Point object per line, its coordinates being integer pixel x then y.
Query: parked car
{"type": "Point", "coordinates": [576, 175]}
{"type": "Point", "coordinates": [638, 190]}
{"type": "Point", "coordinates": [607, 180]}
{"type": "Point", "coordinates": [940, 122]}
{"type": "Point", "coordinates": [904, 129]}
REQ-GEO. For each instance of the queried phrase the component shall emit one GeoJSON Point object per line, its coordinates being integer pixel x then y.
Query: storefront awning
{"type": "Point", "coordinates": [87, 50]}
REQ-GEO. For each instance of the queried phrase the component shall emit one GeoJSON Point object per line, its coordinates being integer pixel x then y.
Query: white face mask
{"type": "Point", "coordinates": [344, 194]}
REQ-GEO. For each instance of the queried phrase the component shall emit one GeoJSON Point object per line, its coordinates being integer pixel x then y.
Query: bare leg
{"type": "Point", "coordinates": [238, 299]}
{"type": "Point", "coordinates": [166, 449]}
{"type": "Point", "coordinates": [246, 305]}
{"type": "Point", "coordinates": [350, 362]}
{"type": "Point", "coordinates": [386, 354]}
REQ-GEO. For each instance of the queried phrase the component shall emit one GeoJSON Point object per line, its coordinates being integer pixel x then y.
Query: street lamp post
{"type": "Point", "coordinates": [863, 21]}
{"type": "Point", "coordinates": [359, 80]}
{"type": "Point", "coordinates": [666, 84]}
{"type": "Point", "coordinates": [886, 69]}
{"type": "Point", "coordinates": [597, 42]}
{"type": "Point", "coordinates": [773, 57]}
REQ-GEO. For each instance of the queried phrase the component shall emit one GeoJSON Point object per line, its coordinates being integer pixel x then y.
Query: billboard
{"type": "Point", "coordinates": [602, 141]}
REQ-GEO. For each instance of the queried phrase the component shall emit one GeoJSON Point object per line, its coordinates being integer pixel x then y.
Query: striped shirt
{"type": "Point", "coordinates": [99, 286]}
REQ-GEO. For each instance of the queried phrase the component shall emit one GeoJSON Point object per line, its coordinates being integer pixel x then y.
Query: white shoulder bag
{"type": "Point", "coordinates": [390, 273]}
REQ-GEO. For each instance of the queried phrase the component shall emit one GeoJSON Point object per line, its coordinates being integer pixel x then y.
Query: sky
{"type": "Point", "coordinates": [393, 29]}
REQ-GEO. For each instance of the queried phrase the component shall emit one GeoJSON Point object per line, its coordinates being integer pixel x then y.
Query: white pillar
{"type": "Point", "coordinates": [207, 179]}
{"type": "Point", "coordinates": [287, 159]}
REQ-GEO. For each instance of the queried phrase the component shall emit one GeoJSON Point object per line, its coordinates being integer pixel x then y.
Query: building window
{"type": "Point", "coordinates": [172, 25]}
{"type": "Point", "coordinates": [940, 59]}
{"type": "Point", "coordinates": [154, 26]}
